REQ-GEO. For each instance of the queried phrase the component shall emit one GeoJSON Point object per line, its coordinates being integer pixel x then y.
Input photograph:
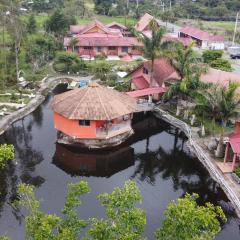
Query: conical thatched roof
{"type": "Point", "coordinates": [93, 102]}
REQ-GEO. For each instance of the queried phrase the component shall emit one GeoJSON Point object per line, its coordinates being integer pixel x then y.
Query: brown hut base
{"type": "Point", "coordinates": [94, 143]}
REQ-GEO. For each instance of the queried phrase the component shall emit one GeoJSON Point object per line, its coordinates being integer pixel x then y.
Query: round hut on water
{"type": "Point", "coordinates": [93, 116]}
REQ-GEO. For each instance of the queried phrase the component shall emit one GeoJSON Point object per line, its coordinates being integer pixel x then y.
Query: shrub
{"type": "Point", "coordinates": [221, 64]}
{"type": "Point", "coordinates": [211, 55]}
{"type": "Point", "coordinates": [101, 69]}
{"type": "Point", "coordinates": [6, 154]}
{"type": "Point", "coordinates": [237, 171]}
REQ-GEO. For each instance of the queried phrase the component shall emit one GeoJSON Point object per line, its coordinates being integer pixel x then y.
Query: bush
{"type": "Point", "coordinates": [221, 64]}
{"type": "Point", "coordinates": [101, 69]}
{"type": "Point", "coordinates": [68, 62]}
{"type": "Point", "coordinates": [101, 56]}
{"type": "Point", "coordinates": [211, 55]}
{"type": "Point", "coordinates": [6, 154]}
{"type": "Point", "coordinates": [237, 171]}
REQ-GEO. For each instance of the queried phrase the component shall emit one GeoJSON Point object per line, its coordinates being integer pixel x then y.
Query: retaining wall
{"type": "Point", "coordinates": [203, 156]}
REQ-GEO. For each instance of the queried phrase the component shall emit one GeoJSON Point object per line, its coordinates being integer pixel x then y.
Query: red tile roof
{"type": "Point", "coordinates": [104, 41]}
{"type": "Point", "coordinates": [147, 91]}
{"type": "Point", "coordinates": [143, 22]}
{"type": "Point", "coordinates": [141, 82]}
{"type": "Point", "coordinates": [113, 24]}
{"type": "Point", "coordinates": [162, 70]}
{"type": "Point", "coordinates": [234, 140]}
{"type": "Point", "coordinates": [200, 34]}
{"type": "Point", "coordinates": [82, 29]}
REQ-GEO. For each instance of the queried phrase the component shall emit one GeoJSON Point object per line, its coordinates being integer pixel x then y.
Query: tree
{"type": "Point", "coordinates": [6, 154]}
{"type": "Point", "coordinates": [40, 226]}
{"type": "Point", "coordinates": [58, 24]}
{"type": "Point", "coordinates": [101, 69]}
{"type": "Point", "coordinates": [68, 62]}
{"type": "Point", "coordinates": [184, 219]}
{"type": "Point", "coordinates": [31, 25]}
{"type": "Point", "coordinates": [221, 64]}
{"type": "Point", "coordinates": [153, 46]}
{"type": "Point", "coordinates": [167, 16]}
{"type": "Point", "coordinates": [218, 103]}
{"type": "Point", "coordinates": [39, 50]}
{"type": "Point", "coordinates": [211, 55]}
{"type": "Point", "coordinates": [124, 220]}
{"type": "Point", "coordinates": [188, 66]}
{"type": "Point", "coordinates": [15, 29]}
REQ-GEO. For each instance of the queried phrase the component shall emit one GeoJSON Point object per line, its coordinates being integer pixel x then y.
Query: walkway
{"type": "Point", "coordinates": [226, 181]}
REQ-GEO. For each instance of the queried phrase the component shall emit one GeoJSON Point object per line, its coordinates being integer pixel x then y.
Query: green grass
{"type": "Point", "coordinates": [107, 19]}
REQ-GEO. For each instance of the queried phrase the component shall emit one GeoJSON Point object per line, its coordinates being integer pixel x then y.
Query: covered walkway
{"type": "Point", "coordinates": [147, 92]}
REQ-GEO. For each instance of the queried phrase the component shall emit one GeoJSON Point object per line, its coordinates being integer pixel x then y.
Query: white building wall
{"type": "Point", "coordinates": [217, 46]}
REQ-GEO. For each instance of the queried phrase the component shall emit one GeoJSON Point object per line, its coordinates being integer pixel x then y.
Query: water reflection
{"type": "Point", "coordinates": [74, 161]}
{"type": "Point", "coordinates": [156, 157]}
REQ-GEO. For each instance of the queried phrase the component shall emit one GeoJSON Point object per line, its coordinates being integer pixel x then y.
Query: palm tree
{"type": "Point", "coordinates": [153, 47]}
{"type": "Point", "coordinates": [219, 103]}
{"type": "Point", "coordinates": [189, 67]}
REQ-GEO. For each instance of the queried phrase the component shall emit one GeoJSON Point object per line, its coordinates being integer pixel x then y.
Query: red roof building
{"type": "Point", "coordinates": [162, 72]}
{"type": "Point", "coordinates": [96, 38]}
{"type": "Point", "coordinates": [232, 151]}
{"type": "Point", "coordinates": [203, 39]}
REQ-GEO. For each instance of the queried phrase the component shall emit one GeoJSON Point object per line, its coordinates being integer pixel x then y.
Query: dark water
{"type": "Point", "coordinates": [156, 157]}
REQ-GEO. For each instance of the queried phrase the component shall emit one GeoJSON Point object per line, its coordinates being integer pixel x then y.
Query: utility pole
{"type": "Point", "coordinates": [235, 29]}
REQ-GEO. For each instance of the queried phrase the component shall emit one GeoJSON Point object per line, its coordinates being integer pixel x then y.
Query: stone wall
{"type": "Point", "coordinates": [204, 157]}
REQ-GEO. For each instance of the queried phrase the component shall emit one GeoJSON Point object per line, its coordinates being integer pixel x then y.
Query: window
{"type": "Point", "coordinates": [84, 122]}
{"type": "Point", "coordinates": [99, 49]}
{"type": "Point", "coordinates": [76, 49]}
{"type": "Point", "coordinates": [145, 70]}
{"type": "Point", "coordinates": [87, 47]}
{"type": "Point", "coordinates": [125, 49]}
{"type": "Point", "coordinates": [112, 48]}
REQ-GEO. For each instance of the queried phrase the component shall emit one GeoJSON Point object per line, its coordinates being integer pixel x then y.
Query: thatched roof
{"type": "Point", "coordinates": [93, 102]}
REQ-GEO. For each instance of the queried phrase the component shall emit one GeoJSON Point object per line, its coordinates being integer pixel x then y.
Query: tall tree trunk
{"type": "Point", "coordinates": [16, 61]}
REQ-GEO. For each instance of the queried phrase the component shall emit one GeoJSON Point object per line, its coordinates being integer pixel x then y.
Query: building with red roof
{"type": "Point", "coordinates": [203, 39]}
{"type": "Point", "coordinates": [163, 72]}
{"type": "Point", "coordinates": [96, 38]}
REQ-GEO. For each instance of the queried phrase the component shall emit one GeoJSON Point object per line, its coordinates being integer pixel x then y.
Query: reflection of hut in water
{"type": "Point", "coordinates": [101, 164]}
{"type": "Point", "coordinates": [93, 116]}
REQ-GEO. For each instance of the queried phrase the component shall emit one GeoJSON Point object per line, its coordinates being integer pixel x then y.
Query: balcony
{"type": "Point", "coordinates": [113, 130]}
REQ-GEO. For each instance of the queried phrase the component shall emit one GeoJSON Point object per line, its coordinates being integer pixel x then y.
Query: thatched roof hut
{"type": "Point", "coordinates": [93, 102]}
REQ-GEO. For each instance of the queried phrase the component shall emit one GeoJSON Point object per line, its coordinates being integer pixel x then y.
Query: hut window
{"type": "Point", "coordinates": [112, 48]}
{"type": "Point", "coordinates": [84, 122]}
{"type": "Point", "coordinates": [99, 49]}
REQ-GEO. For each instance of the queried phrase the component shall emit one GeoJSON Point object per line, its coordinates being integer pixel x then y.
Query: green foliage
{"type": "Point", "coordinates": [31, 25]}
{"type": "Point", "coordinates": [218, 103]}
{"type": "Point", "coordinates": [41, 226]}
{"type": "Point", "coordinates": [4, 238]}
{"type": "Point", "coordinates": [221, 64]}
{"type": "Point", "coordinates": [187, 64]}
{"type": "Point", "coordinates": [124, 220]}
{"type": "Point", "coordinates": [237, 171]}
{"type": "Point", "coordinates": [184, 219]}
{"type": "Point", "coordinates": [68, 62]}
{"type": "Point", "coordinates": [40, 50]}
{"type": "Point", "coordinates": [211, 55]}
{"type": "Point", "coordinates": [101, 69]}
{"type": "Point", "coordinates": [58, 23]}
{"type": "Point", "coordinates": [6, 154]}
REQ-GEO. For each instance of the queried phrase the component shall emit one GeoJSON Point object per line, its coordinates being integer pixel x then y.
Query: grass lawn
{"type": "Point", "coordinates": [224, 28]}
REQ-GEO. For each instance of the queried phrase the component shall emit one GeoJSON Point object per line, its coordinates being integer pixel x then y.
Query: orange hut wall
{"type": "Point", "coordinates": [72, 127]}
